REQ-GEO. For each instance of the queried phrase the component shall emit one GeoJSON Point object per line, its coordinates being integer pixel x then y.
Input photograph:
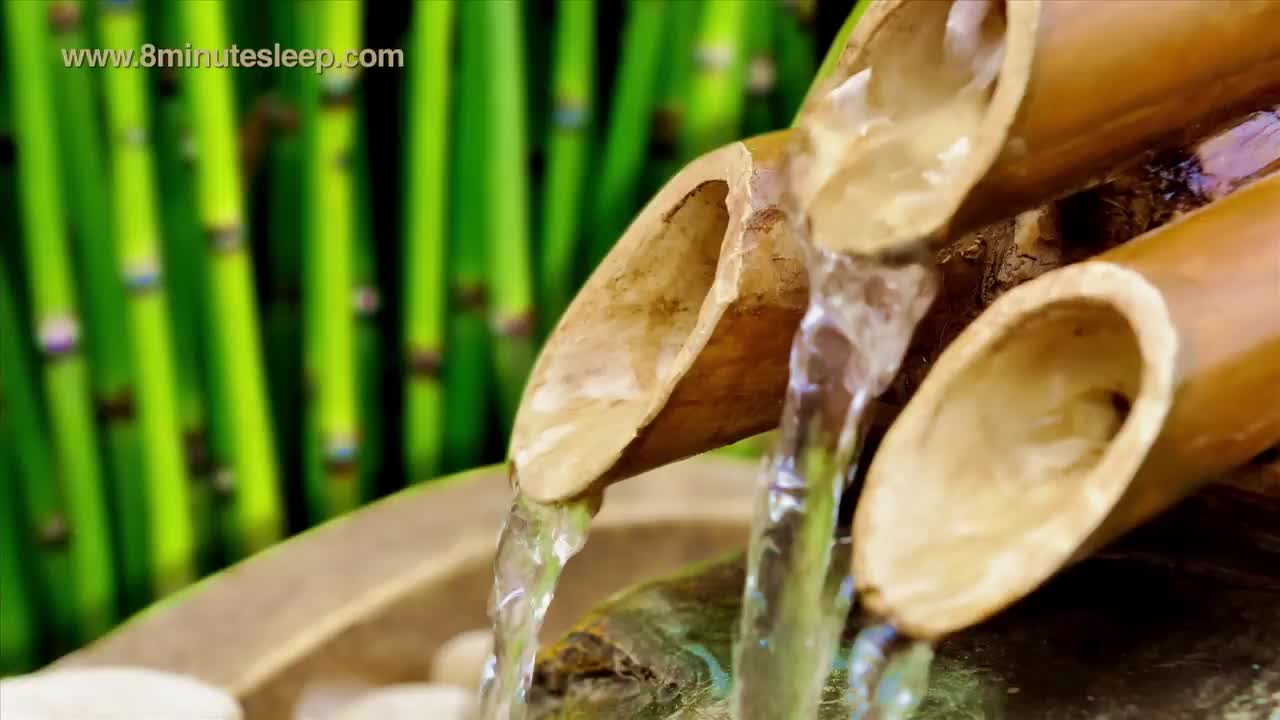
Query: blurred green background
{"type": "Point", "coordinates": [236, 302]}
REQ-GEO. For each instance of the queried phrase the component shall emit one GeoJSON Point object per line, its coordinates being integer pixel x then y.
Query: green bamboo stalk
{"type": "Point", "coordinates": [168, 494]}
{"type": "Point", "coordinates": [79, 123]}
{"type": "Point", "coordinates": [568, 155]}
{"type": "Point", "coordinates": [331, 247]}
{"type": "Point", "coordinates": [44, 508]}
{"type": "Point", "coordinates": [18, 617]}
{"type": "Point", "coordinates": [53, 303]}
{"type": "Point", "coordinates": [284, 316]}
{"type": "Point", "coordinates": [426, 178]}
{"type": "Point", "coordinates": [368, 307]}
{"type": "Point", "coordinates": [257, 505]}
{"type": "Point", "coordinates": [797, 55]}
{"type": "Point", "coordinates": [186, 287]}
{"type": "Point", "coordinates": [507, 218]}
{"type": "Point", "coordinates": [466, 363]}
{"type": "Point", "coordinates": [716, 97]}
{"type": "Point", "coordinates": [626, 141]}
{"type": "Point", "coordinates": [677, 66]}
{"type": "Point", "coordinates": [762, 68]}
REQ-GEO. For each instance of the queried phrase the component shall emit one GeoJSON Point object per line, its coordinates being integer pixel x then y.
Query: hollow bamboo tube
{"type": "Point", "coordinates": [1076, 407]}
{"type": "Point", "coordinates": [1082, 86]}
{"type": "Point", "coordinates": [171, 546]}
{"type": "Point", "coordinates": [678, 342]}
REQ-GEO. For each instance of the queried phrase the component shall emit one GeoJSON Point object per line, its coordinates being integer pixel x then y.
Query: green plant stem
{"type": "Point", "coordinates": [568, 155]}
{"type": "Point", "coordinates": [53, 303]}
{"type": "Point", "coordinates": [185, 283]}
{"type": "Point", "coordinates": [507, 219]}
{"type": "Point", "coordinates": [716, 98]}
{"type": "Point", "coordinates": [426, 226]}
{"type": "Point", "coordinates": [466, 362]}
{"type": "Point", "coordinates": [369, 340]}
{"type": "Point", "coordinates": [79, 123]}
{"type": "Point", "coordinates": [18, 617]}
{"type": "Point", "coordinates": [797, 56]}
{"type": "Point", "coordinates": [172, 538]}
{"type": "Point", "coordinates": [677, 65]}
{"type": "Point", "coordinates": [626, 140]}
{"type": "Point", "coordinates": [257, 504]}
{"type": "Point", "coordinates": [762, 68]}
{"type": "Point", "coordinates": [331, 246]}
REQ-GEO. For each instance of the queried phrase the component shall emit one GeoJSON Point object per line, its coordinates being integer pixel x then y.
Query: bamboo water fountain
{"type": "Point", "coordinates": [679, 342]}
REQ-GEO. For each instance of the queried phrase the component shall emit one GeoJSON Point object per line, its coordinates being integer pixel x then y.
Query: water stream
{"type": "Point", "coordinates": [882, 150]}
{"type": "Point", "coordinates": [536, 542]}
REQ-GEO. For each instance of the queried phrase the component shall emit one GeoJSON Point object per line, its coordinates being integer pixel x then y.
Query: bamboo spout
{"type": "Point", "coordinates": [678, 342]}
{"type": "Point", "coordinates": [1077, 406]}
{"type": "Point", "coordinates": [1081, 87]}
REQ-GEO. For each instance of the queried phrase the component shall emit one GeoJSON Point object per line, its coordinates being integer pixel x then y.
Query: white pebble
{"type": "Point", "coordinates": [460, 661]}
{"type": "Point", "coordinates": [413, 701]}
{"type": "Point", "coordinates": [113, 693]}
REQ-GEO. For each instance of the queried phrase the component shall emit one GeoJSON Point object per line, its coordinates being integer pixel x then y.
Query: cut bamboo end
{"type": "Point", "coordinates": [678, 341]}
{"type": "Point", "coordinates": [1043, 130]}
{"type": "Point", "coordinates": [1075, 408]}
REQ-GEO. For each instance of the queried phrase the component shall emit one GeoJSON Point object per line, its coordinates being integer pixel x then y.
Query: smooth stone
{"type": "Point", "coordinates": [113, 693]}
{"type": "Point", "coordinates": [412, 701]}
{"type": "Point", "coordinates": [460, 660]}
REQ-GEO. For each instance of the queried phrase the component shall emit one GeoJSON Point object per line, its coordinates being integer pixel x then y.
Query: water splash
{"type": "Point", "coordinates": [536, 542]}
{"type": "Point", "coordinates": [888, 675]}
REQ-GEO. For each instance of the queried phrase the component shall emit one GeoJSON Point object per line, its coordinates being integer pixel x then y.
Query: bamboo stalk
{"type": "Point", "coordinates": [681, 29]}
{"type": "Point", "coordinates": [53, 303]}
{"type": "Point", "coordinates": [568, 156]}
{"type": "Point", "coordinates": [286, 220]}
{"type": "Point", "coordinates": [713, 116]}
{"type": "Point", "coordinates": [1078, 406]}
{"type": "Point", "coordinates": [649, 422]}
{"type": "Point", "coordinates": [172, 547]}
{"type": "Point", "coordinates": [19, 620]}
{"type": "Point", "coordinates": [186, 289]}
{"type": "Point", "coordinates": [43, 505]}
{"type": "Point", "coordinates": [426, 177]}
{"type": "Point", "coordinates": [256, 502]}
{"type": "Point", "coordinates": [79, 122]}
{"type": "Point", "coordinates": [689, 320]}
{"type": "Point", "coordinates": [626, 140]}
{"type": "Point", "coordinates": [761, 68]}
{"type": "Point", "coordinates": [1023, 147]}
{"type": "Point", "coordinates": [331, 243]}
{"type": "Point", "coordinates": [797, 54]}
{"type": "Point", "coordinates": [367, 307]}
{"type": "Point", "coordinates": [507, 234]}
{"type": "Point", "coordinates": [466, 363]}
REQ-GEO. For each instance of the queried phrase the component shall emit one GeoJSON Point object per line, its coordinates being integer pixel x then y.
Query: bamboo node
{"type": "Point", "coordinates": [713, 58]}
{"type": "Point", "coordinates": [471, 296]}
{"type": "Point", "coordinates": [59, 335]}
{"type": "Point", "coordinates": [226, 239]}
{"type": "Point", "coordinates": [337, 90]}
{"type": "Point", "coordinates": [142, 276]}
{"type": "Point", "coordinates": [425, 363]}
{"type": "Point", "coordinates": [569, 114]}
{"type": "Point", "coordinates": [515, 326]}
{"type": "Point", "coordinates": [135, 136]}
{"type": "Point", "coordinates": [224, 482]}
{"type": "Point", "coordinates": [340, 454]}
{"type": "Point", "coordinates": [54, 531]}
{"type": "Point", "coordinates": [64, 17]}
{"type": "Point", "coordinates": [367, 301]}
{"type": "Point", "coordinates": [116, 407]}
{"type": "Point", "coordinates": [762, 75]}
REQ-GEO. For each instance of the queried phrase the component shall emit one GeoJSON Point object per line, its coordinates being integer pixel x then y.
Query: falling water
{"type": "Point", "coordinates": [536, 542]}
{"type": "Point", "coordinates": [882, 147]}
